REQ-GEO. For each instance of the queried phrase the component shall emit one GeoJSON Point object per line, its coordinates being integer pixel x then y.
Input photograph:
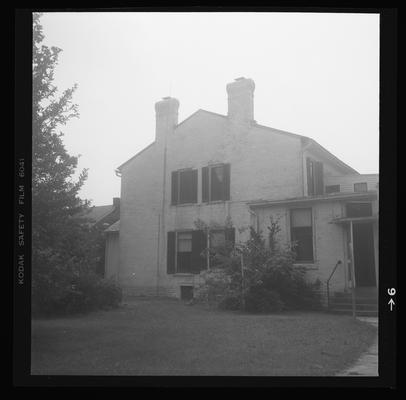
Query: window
{"type": "Point", "coordinates": [360, 187]}
{"type": "Point", "coordinates": [219, 241]}
{"type": "Point", "coordinates": [356, 210]}
{"type": "Point", "coordinates": [315, 185]}
{"type": "Point", "coordinates": [216, 183]}
{"type": "Point", "coordinates": [332, 189]}
{"type": "Point", "coordinates": [302, 233]}
{"type": "Point", "coordinates": [186, 293]}
{"type": "Point", "coordinates": [184, 186]}
{"type": "Point", "coordinates": [184, 252]}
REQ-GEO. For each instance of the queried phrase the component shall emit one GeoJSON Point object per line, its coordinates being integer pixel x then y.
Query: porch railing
{"type": "Point", "coordinates": [328, 282]}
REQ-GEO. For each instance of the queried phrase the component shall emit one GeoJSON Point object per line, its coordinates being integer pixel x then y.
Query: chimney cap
{"type": "Point", "coordinates": [240, 78]}
{"type": "Point", "coordinates": [166, 98]}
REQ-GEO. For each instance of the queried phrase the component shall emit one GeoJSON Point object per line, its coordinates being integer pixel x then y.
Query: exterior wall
{"type": "Point", "coordinates": [346, 182]}
{"type": "Point", "coordinates": [265, 164]}
{"type": "Point", "coordinates": [329, 169]}
{"type": "Point", "coordinates": [141, 197]}
{"type": "Point", "coordinates": [254, 155]}
{"type": "Point", "coordinates": [112, 256]}
{"type": "Point", "coordinates": [329, 240]}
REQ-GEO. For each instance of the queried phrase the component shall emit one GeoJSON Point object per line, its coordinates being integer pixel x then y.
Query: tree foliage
{"type": "Point", "coordinates": [65, 247]}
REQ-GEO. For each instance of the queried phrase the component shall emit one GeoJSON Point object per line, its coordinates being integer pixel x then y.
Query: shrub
{"type": "Point", "coordinates": [78, 294]}
{"type": "Point", "coordinates": [231, 302]}
{"type": "Point", "coordinates": [270, 282]}
{"type": "Point", "coordinates": [260, 299]}
{"type": "Point", "coordinates": [214, 289]}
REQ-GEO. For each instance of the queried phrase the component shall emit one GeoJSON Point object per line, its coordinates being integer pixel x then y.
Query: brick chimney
{"type": "Point", "coordinates": [241, 100]}
{"type": "Point", "coordinates": [166, 117]}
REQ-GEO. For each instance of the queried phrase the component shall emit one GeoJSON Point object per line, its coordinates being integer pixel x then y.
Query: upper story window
{"type": "Point", "coordinates": [184, 186]}
{"type": "Point", "coordinates": [315, 182]}
{"type": "Point", "coordinates": [332, 189]}
{"type": "Point", "coordinates": [360, 187]}
{"type": "Point", "coordinates": [301, 229]}
{"type": "Point", "coordinates": [216, 183]}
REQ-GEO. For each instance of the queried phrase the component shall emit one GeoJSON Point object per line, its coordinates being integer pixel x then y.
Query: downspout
{"type": "Point", "coordinates": [161, 227]}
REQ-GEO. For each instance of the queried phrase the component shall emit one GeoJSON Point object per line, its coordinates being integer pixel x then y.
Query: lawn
{"type": "Point", "coordinates": [168, 337]}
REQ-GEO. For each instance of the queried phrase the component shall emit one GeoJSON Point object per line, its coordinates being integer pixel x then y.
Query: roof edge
{"type": "Point", "coordinates": [136, 155]}
{"type": "Point", "coordinates": [312, 199]}
{"type": "Point", "coordinates": [333, 157]}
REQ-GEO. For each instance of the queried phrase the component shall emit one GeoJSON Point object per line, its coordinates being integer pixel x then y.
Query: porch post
{"type": "Point", "coordinates": [352, 269]}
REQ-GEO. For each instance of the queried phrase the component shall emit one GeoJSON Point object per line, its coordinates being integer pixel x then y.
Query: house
{"type": "Point", "coordinates": [220, 168]}
{"type": "Point", "coordinates": [112, 251]}
{"type": "Point", "coordinates": [108, 219]}
{"type": "Point", "coordinates": [104, 216]}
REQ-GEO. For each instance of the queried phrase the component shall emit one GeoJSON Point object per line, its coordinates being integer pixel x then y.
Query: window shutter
{"type": "Point", "coordinates": [226, 191]}
{"type": "Point", "coordinates": [230, 235]}
{"type": "Point", "coordinates": [174, 197]}
{"type": "Point", "coordinates": [194, 186]}
{"type": "Point", "coordinates": [205, 184]}
{"type": "Point", "coordinates": [310, 184]}
{"type": "Point", "coordinates": [318, 174]}
{"type": "Point", "coordinates": [199, 243]}
{"type": "Point", "coordinates": [170, 262]}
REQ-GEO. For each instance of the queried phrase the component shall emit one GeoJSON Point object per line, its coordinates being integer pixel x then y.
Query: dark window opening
{"type": "Point", "coordinates": [302, 234]}
{"type": "Point", "coordinates": [360, 187]}
{"type": "Point", "coordinates": [216, 183]}
{"type": "Point", "coordinates": [315, 181]}
{"type": "Point", "coordinates": [332, 189]}
{"type": "Point", "coordinates": [186, 293]}
{"type": "Point", "coordinates": [184, 186]}
{"type": "Point", "coordinates": [185, 252]}
{"type": "Point", "coordinates": [356, 210]}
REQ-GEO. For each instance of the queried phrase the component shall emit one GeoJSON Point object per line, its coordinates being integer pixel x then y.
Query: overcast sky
{"type": "Point", "coordinates": [315, 74]}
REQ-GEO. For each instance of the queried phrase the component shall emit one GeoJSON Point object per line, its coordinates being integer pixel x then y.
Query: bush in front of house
{"type": "Point", "coordinates": [60, 289]}
{"type": "Point", "coordinates": [256, 276]}
{"type": "Point", "coordinates": [263, 300]}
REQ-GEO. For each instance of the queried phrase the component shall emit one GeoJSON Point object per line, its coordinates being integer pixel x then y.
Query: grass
{"type": "Point", "coordinates": [168, 337]}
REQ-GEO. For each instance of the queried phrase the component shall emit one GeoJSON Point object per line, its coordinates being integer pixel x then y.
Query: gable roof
{"type": "Point", "coordinates": [114, 227]}
{"type": "Point", "coordinates": [96, 213]}
{"type": "Point", "coordinates": [305, 141]}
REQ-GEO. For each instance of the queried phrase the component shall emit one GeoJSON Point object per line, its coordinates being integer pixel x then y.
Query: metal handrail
{"type": "Point", "coordinates": [328, 282]}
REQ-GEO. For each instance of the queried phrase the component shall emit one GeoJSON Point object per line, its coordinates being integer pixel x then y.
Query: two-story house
{"type": "Point", "coordinates": [221, 168]}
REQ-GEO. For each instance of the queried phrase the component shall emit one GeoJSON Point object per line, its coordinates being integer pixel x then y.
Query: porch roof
{"type": "Point", "coordinates": [345, 220]}
{"type": "Point", "coordinates": [370, 195]}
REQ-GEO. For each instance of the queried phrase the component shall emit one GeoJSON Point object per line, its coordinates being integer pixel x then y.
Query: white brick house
{"type": "Point", "coordinates": [215, 168]}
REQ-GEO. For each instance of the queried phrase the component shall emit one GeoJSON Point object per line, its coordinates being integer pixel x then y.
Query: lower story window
{"type": "Point", "coordinates": [184, 252]}
{"type": "Point", "coordinates": [187, 250]}
{"type": "Point", "coordinates": [302, 233]}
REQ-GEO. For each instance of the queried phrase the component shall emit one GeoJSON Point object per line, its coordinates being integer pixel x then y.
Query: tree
{"type": "Point", "coordinates": [64, 246]}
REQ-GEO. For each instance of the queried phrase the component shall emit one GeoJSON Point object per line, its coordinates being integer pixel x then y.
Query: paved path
{"type": "Point", "coordinates": [367, 365]}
